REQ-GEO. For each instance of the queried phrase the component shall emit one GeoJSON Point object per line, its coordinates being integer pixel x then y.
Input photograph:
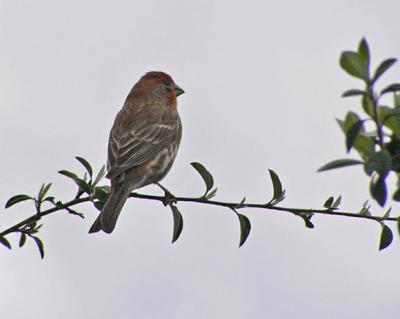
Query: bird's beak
{"type": "Point", "coordinates": [178, 90]}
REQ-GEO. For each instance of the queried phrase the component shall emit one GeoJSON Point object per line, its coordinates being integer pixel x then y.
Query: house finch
{"type": "Point", "coordinates": [143, 142]}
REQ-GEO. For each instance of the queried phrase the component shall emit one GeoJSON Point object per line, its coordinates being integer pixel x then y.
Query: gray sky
{"type": "Point", "coordinates": [263, 87]}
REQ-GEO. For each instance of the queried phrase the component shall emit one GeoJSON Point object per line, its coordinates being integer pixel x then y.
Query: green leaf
{"type": "Point", "coordinates": [328, 203]}
{"type": "Point", "coordinates": [391, 88]}
{"type": "Point", "coordinates": [353, 92]}
{"type": "Point", "coordinates": [396, 100]}
{"type": "Point", "coordinates": [59, 203]}
{"type": "Point", "coordinates": [49, 199]}
{"type": "Point", "coordinates": [100, 194]}
{"type": "Point", "coordinates": [336, 203]}
{"type": "Point", "coordinates": [205, 174]}
{"type": "Point", "coordinates": [307, 221]}
{"type": "Point", "coordinates": [350, 119]}
{"type": "Point", "coordinates": [241, 203]}
{"type": "Point", "coordinates": [33, 228]}
{"type": "Point", "coordinates": [388, 113]}
{"type": "Point", "coordinates": [363, 51]}
{"type": "Point", "coordinates": [390, 118]}
{"type": "Point", "coordinates": [352, 134]}
{"type": "Point", "coordinates": [393, 147]}
{"type": "Point", "coordinates": [43, 191]}
{"type": "Point", "coordinates": [211, 194]}
{"type": "Point", "coordinates": [339, 163]}
{"type": "Point", "coordinates": [31, 225]}
{"type": "Point", "coordinates": [365, 209]}
{"type": "Point", "coordinates": [396, 196]}
{"type": "Point", "coordinates": [99, 205]}
{"type": "Point", "coordinates": [276, 183]}
{"type": "Point", "coordinates": [4, 241]}
{"type": "Point", "coordinates": [16, 199]}
{"type": "Point", "coordinates": [368, 105]}
{"type": "Point", "coordinates": [74, 212]}
{"type": "Point", "coordinates": [100, 175]}
{"type": "Point", "coordinates": [354, 64]}
{"type": "Point", "coordinates": [85, 164]}
{"type": "Point", "coordinates": [245, 228]}
{"type": "Point", "coordinates": [386, 237]}
{"type": "Point", "coordinates": [363, 144]}
{"type": "Point", "coordinates": [378, 190]}
{"type": "Point", "coordinates": [39, 245]}
{"type": "Point", "coordinates": [387, 214]}
{"type": "Point", "coordinates": [382, 68]}
{"type": "Point", "coordinates": [381, 162]}
{"type": "Point", "coordinates": [178, 223]}
{"type": "Point", "coordinates": [369, 167]}
{"type": "Point", "coordinates": [83, 186]}
{"type": "Point", "coordinates": [68, 174]}
{"type": "Point", "coordinates": [22, 239]}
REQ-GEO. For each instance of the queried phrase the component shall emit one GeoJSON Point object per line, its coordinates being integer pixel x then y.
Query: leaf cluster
{"type": "Point", "coordinates": [29, 228]}
{"type": "Point", "coordinates": [378, 146]}
{"type": "Point", "coordinates": [375, 133]}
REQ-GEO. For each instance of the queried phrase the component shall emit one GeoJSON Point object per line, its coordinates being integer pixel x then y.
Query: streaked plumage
{"type": "Point", "coordinates": [143, 142]}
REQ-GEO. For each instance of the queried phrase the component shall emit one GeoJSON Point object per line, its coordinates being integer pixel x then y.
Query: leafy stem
{"type": "Point", "coordinates": [97, 195]}
{"type": "Point", "coordinates": [377, 121]}
{"type": "Point", "coordinates": [38, 216]}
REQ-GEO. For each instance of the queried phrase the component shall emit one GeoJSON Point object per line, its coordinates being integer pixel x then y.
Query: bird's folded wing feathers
{"type": "Point", "coordinates": [136, 147]}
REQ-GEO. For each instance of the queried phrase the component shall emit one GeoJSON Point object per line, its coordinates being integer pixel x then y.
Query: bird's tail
{"type": "Point", "coordinates": [112, 208]}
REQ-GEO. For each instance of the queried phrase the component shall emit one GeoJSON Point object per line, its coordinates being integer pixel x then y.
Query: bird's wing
{"type": "Point", "coordinates": [137, 146]}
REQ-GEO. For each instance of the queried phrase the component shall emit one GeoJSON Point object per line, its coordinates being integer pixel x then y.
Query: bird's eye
{"type": "Point", "coordinates": [167, 84]}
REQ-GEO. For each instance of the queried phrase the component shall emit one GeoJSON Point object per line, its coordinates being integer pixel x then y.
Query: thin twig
{"type": "Point", "coordinates": [376, 119]}
{"type": "Point", "coordinates": [292, 210]}
{"type": "Point", "coordinates": [37, 217]}
{"type": "Point", "coordinates": [231, 205]}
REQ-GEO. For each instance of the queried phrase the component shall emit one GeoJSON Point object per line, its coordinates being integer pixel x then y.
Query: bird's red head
{"type": "Point", "coordinates": [157, 77]}
{"type": "Point", "coordinates": [159, 84]}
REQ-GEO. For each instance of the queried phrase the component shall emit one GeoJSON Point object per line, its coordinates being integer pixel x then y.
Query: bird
{"type": "Point", "coordinates": [143, 143]}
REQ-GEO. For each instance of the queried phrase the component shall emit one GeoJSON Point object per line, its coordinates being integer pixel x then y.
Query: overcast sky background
{"type": "Point", "coordinates": [263, 87]}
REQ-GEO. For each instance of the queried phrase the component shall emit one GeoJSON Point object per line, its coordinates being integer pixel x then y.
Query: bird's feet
{"type": "Point", "coordinates": [169, 198]}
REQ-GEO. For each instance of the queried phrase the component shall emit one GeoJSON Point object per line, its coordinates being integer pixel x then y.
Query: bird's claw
{"type": "Point", "coordinates": [169, 198]}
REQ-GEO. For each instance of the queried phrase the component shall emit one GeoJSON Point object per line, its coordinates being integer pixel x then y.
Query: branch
{"type": "Point", "coordinates": [37, 217]}
{"type": "Point", "coordinates": [200, 200]}
{"type": "Point", "coordinates": [98, 196]}
{"type": "Point", "coordinates": [238, 205]}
